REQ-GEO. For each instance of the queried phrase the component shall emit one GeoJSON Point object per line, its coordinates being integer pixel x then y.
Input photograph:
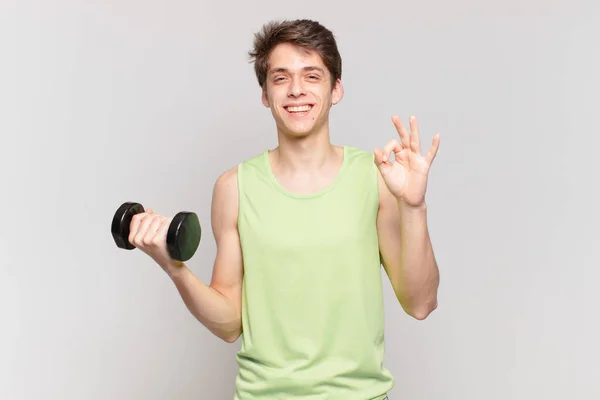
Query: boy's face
{"type": "Point", "coordinates": [298, 90]}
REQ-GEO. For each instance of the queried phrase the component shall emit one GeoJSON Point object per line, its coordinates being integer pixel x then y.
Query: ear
{"type": "Point", "coordinates": [338, 92]}
{"type": "Point", "coordinates": [265, 96]}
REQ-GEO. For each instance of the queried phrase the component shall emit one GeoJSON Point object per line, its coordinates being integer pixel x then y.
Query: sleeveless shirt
{"type": "Point", "coordinates": [312, 304]}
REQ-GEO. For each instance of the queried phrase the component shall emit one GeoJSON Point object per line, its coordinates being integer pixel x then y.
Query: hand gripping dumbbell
{"type": "Point", "coordinates": [183, 235]}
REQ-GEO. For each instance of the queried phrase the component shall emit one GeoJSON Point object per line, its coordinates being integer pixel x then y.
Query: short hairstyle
{"type": "Point", "coordinates": [307, 34]}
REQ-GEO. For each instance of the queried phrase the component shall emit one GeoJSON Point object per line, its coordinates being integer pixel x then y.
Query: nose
{"type": "Point", "coordinates": [296, 88]}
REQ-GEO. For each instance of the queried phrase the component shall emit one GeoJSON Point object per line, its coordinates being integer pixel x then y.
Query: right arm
{"type": "Point", "coordinates": [217, 306]}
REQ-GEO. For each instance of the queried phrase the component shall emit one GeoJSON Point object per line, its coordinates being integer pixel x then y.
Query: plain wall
{"type": "Point", "coordinates": [150, 101]}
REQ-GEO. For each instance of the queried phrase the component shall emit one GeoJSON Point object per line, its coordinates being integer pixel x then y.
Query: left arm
{"type": "Point", "coordinates": [404, 243]}
{"type": "Point", "coordinates": [407, 254]}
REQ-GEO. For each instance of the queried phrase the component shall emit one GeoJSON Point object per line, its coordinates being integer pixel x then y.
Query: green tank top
{"type": "Point", "coordinates": [312, 304]}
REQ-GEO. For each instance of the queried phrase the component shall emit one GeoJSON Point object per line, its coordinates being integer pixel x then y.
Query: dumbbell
{"type": "Point", "coordinates": [183, 235]}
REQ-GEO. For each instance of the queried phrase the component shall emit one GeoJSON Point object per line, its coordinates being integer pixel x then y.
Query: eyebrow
{"type": "Point", "coordinates": [308, 68]}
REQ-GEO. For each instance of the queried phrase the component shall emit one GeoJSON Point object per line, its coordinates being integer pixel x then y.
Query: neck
{"type": "Point", "coordinates": [310, 153]}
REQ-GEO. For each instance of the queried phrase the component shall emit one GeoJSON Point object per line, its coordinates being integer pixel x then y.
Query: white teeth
{"type": "Point", "coordinates": [299, 108]}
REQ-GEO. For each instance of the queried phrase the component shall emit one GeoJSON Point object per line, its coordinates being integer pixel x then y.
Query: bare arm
{"type": "Point", "coordinates": [407, 254]}
{"type": "Point", "coordinates": [218, 305]}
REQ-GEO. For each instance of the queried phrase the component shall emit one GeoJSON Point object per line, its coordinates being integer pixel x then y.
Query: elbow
{"type": "Point", "coordinates": [421, 313]}
{"type": "Point", "coordinates": [230, 337]}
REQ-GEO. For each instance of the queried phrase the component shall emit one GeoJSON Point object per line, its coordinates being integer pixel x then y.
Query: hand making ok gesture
{"type": "Point", "coordinates": [406, 177]}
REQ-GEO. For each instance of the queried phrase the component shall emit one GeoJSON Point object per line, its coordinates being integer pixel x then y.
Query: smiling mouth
{"type": "Point", "coordinates": [299, 110]}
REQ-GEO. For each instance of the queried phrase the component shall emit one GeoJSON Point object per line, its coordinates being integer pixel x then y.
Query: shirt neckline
{"type": "Point", "coordinates": [318, 193]}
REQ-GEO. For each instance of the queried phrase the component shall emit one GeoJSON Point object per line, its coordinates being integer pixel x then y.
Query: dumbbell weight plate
{"type": "Point", "coordinates": [121, 224]}
{"type": "Point", "coordinates": [183, 236]}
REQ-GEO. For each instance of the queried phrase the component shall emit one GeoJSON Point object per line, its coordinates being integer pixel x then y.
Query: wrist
{"type": "Point", "coordinates": [173, 268]}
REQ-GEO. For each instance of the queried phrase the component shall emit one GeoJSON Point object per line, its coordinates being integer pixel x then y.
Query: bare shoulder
{"type": "Point", "coordinates": [225, 199]}
{"type": "Point", "coordinates": [226, 183]}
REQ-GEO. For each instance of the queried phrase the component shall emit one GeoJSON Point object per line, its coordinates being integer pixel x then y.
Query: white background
{"type": "Point", "coordinates": [104, 102]}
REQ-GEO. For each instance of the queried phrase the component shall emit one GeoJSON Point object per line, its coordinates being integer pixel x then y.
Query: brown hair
{"type": "Point", "coordinates": [307, 34]}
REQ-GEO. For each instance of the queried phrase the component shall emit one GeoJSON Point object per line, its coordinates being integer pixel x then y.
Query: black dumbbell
{"type": "Point", "coordinates": [183, 235]}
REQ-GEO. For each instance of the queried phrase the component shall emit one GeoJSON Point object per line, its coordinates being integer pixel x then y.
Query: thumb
{"type": "Point", "coordinates": [378, 160]}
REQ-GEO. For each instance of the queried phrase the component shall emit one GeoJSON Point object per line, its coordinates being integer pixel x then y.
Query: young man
{"type": "Point", "coordinates": [302, 232]}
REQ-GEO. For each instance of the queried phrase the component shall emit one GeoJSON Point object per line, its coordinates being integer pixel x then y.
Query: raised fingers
{"type": "Point", "coordinates": [415, 140]}
{"type": "Point", "coordinates": [430, 156]}
{"type": "Point", "coordinates": [402, 132]}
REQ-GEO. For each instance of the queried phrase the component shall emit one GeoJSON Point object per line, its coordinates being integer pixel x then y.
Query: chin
{"type": "Point", "coordinates": [295, 128]}
{"type": "Point", "coordinates": [300, 130]}
{"type": "Point", "coordinates": [296, 134]}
